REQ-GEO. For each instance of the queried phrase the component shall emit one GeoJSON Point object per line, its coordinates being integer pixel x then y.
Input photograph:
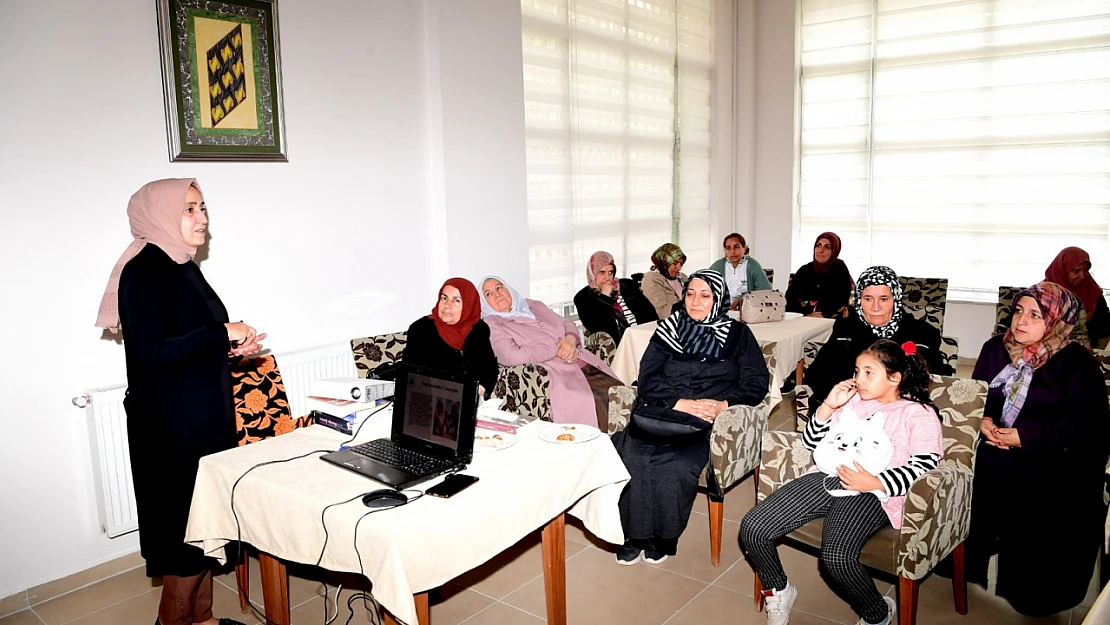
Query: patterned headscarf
{"type": "Point", "coordinates": [455, 335]}
{"type": "Point", "coordinates": [1069, 258]}
{"type": "Point", "coordinates": [1060, 311]}
{"type": "Point", "coordinates": [667, 255]}
{"type": "Point", "coordinates": [880, 275]}
{"type": "Point", "coordinates": [597, 262]}
{"type": "Point", "coordinates": [707, 337]}
{"type": "Point", "coordinates": [520, 305]}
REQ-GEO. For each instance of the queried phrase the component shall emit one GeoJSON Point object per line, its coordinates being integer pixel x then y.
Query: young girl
{"type": "Point", "coordinates": [891, 380]}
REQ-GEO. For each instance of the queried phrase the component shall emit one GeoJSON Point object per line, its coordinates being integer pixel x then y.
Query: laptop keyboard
{"type": "Point", "coordinates": [384, 451]}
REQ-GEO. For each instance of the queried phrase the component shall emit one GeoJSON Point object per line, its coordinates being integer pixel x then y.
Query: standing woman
{"type": "Point", "coordinates": [663, 283]}
{"type": "Point", "coordinates": [453, 337]}
{"type": "Point", "coordinates": [607, 304]}
{"type": "Point", "coordinates": [1071, 269]}
{"type": "Point", "coordinates": [821, 288]}
{"type": "Point", "coordinates": [177, 341]}
{"type": "Point", "coordinates": [1040, 465]}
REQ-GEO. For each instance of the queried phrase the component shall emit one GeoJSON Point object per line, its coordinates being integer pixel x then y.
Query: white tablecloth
{"type": "Point", "coordinates": [789, 336]}
{"type": "Point", "coordinates": [416, 547]}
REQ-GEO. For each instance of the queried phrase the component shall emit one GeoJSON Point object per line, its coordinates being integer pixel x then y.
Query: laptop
{"type": "Point", "coordinates": [434, 415]}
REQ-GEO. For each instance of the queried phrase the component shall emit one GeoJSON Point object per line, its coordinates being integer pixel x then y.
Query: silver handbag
{"type": "Point", "coordinates": [762, 306]}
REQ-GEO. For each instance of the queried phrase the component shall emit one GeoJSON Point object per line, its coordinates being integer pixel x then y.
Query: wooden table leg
{"type": "Point", "coordinates": [555, 570]}
{"type": "Point", "coordinates": [275, 588]}
{"type": "Point", "coordinates": [423, 612]}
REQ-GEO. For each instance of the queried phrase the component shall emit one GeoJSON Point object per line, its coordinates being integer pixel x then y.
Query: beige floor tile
{"type": "Point", "coordinates": [300, 588]}
{"type": "Point", "coordinates": [601, 591]}
{"type": "Point", "coordinates": [140, 610]}
{"type": "Point", "coordinates": [578, 533]}
{"type": "Point", "coordinates": [14, 603]}
{"type": "Point", "coordinates": [717, 605]}
{"type": "Point", "coordinates": [225, 604]}
{"type": "Point", "coordinates": [693, 560]}
{"type": "Point", "coordinates": [26, 617]}
{"type": "Point", "coordinates": [503, 614]}
{"type": "Point", "coordinates": [453, 604]}
{"type": "Point", "coordinates": [814, 595]}
{"type": "Point", "coordinates": [936, 607]}
{"type": "Point", "coordinates": [513, 568]}
{"type": "Point", "coordinates": [738, 501]}
{"type": "Point", "coordinates": [50, 590]}
{"type": "Point", "coordinates": [96, 597]}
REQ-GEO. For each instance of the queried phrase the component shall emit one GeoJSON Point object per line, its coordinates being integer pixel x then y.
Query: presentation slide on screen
{"type": "Point", "coordinates": [433, 410]}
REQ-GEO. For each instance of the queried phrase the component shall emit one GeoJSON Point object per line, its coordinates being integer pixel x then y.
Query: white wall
{"type": "Point", "coordinates": [337, 243]}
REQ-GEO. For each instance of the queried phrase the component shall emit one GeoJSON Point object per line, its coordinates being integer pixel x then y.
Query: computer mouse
{"type": "Point", "coordinates": [384, 498]}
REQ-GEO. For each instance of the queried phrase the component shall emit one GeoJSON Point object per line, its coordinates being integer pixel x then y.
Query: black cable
{"type": "Point", "coordinates": [376, 618]}
{"type": "Point", "coordinates": [381, 407]}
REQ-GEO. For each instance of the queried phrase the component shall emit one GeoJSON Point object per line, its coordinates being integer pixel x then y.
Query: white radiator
{"type": "Point", "coordinates": [115, 494]}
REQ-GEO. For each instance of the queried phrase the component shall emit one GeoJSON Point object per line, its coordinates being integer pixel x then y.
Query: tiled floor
{"type": "Point", "coordinates": [684, 590]}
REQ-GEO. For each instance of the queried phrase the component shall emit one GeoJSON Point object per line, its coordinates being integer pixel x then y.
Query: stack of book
{"type": "Point", "coordinates": [331, 405]}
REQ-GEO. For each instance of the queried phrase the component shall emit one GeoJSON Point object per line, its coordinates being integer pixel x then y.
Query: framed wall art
{"type": "Point", "coordinates": [221, 71]}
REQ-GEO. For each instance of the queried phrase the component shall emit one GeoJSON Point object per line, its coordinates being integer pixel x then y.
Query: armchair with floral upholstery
{"type": "Point", "coordinates": [601, 344]}
{"type": "Point", "coordinates": [937, 513]}
{"type": "Point", "coordinates": [261, 412]}
{"type": "Point", "coordinates": [925, 299]}
{"type": "Point", "coordinates": [523, 387]}
{"type": "Point", "coordinates": [949, 347]}
{"type": "Point", "coordinates": [733, 446]}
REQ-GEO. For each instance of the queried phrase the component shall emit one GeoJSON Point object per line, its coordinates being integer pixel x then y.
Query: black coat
{"type": "Point", "coordinates": [425, 348]}
{"type": "Point", "coordinates": [598, 314]}
{"type": "Point", "coordinates": [1039, 506]}
{"type": "Point", "coordinates": [658, 499]}
{"type": "Point", "coordinates": [178, 400]}
{"type": "Point", "coordinates": [826, 292]}
{"type": "Point", "coordinates": [836, 361]}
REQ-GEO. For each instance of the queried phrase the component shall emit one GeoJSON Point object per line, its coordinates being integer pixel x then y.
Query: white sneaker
{"type": "Point", "coordinates": [891, 612]}
{"type": "Point", "coordinates": [779, 604]}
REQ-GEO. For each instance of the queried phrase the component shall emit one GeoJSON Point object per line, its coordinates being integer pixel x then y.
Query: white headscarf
{"type": "Point", "coordinates": [520, 305]}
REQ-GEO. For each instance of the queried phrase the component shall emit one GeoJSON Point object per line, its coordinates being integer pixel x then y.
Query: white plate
{"type": "Point", "coordinates": [568, 433]}
{"type": "Point", "coordinates": [792, 315]}
{"type": "Point", "coordinates": [492, 440]}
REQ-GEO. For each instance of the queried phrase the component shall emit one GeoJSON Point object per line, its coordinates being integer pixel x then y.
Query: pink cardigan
{"type": "Point", "coordinates": [519, 340]}
{"type": "Point", "coordinates": [913, 429]}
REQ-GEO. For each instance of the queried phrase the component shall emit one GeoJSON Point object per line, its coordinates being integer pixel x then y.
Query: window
{"type": "Point", "coordinates": [617, 112]}
{"type": "Point", "coordinates": [967, 140]}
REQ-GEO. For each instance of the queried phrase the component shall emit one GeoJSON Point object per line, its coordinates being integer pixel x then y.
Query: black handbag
{"type": "Point", "coordinates": [658, 422]}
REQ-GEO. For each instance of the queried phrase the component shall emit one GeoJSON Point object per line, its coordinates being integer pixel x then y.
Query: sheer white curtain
{"type": "Point", "coordinates": [967, 140]}
{"type": "Point", "coordinates": [604, 111]}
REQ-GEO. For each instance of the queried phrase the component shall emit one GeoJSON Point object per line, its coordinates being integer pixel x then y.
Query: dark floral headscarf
{"type": "Point", "coordinates": [880, 275]}
{"type": "Point", "coordinates": [667, 255]}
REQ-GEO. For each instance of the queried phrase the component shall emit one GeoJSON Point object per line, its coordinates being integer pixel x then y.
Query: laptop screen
{"type": "Point", "coordinates": [433, 409]}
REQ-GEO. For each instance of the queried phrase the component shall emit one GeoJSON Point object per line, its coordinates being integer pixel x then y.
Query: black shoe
{"type": "Point", "coordinates": [627, 555]}
{"type": "Point", "coordinates": [654, 556]}
{"type": "Point", "coordinates": [227, 621]}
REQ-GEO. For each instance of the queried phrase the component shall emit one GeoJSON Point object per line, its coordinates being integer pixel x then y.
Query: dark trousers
{"type": "Point", "coordinates": [849, 523]}
{"type": "Point", "coordinates": [186, 600]}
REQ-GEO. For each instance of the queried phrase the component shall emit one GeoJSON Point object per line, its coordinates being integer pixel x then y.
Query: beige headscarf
{"type": "Point", "coordinates": [155, 215]}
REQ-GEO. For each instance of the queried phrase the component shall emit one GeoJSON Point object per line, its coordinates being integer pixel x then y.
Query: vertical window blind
{"type": "Point", "coordinates": [959, 139]}
{"type": "Point", "coordinates": [617, 113]}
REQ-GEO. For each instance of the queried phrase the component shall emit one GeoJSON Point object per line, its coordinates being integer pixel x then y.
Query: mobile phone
{"type": "Point", "coordinates": [452, 485]}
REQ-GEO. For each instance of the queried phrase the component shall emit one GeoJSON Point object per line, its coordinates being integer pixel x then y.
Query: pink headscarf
{"type": "Point", "coordinates": [597, 262]}
{"type": "Point", "coordinates": [155, 215]}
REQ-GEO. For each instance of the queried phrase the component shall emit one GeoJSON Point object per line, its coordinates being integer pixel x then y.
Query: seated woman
{"type": "Point", "coordinates": [453, 337]}
{"type": "Point", "coordinates": [821, 288]}
{"type": "Point", "coordinates": [1071, 269]}
{"type": "Point", "coordinates": [662, 284]}
{"type": "Point", "coordinates": [698, 363]}
{"type": "Point", "coordinates": [742, 272]}
{"type": "Point", "coordinates": [877, 315]}
{"type": "Point", "coordinates": [1039, 468]}
{"type": "Point", "coordinates": [607, 304]}
{"type": "Point", "coordinates": [525, 331]}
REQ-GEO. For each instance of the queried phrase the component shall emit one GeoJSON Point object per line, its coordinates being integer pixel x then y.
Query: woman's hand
{"type": "Point", "coordinates": [990, 432]}
{"type": "Point", "coordinates": [567, 349]}
{"type": "Point", "coordinates": [816, 314]}
{"type": "Point", "coordinates": [707, 409]}
{"type": "Point", "coordinates": [246, 340]}
{"type": "Point", "coordinates": [734, 304]}
{"type": "Point", "coordinates": [858, 480]}
{"type": "Point", "coordinates": [606, 288]}
{"type": "Point", "coordinates": [1008, 437]}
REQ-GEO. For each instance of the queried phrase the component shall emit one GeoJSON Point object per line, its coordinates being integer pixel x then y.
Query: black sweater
{"type": "Point", "coordinates": [827, 292]}
{"type": "Point", "coordinates": [425, 348]}
{"type": "Point", "coordinates": [597, 312]}
{"type": "Point", "coordinates": [836, 361]}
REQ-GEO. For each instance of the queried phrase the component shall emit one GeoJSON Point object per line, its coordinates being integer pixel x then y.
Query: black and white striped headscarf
{"type": "Point", "coordinates": [880, 275]}
{"type": "Point", "coordinates": [707, 337]}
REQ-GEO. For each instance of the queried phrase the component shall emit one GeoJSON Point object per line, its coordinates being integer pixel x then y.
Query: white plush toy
{"type": "Point", "coordinates": [855, 439]}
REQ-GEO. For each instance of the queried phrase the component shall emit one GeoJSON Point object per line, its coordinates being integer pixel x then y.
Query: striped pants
{"type": "Point", "coordinates": [849, 523]}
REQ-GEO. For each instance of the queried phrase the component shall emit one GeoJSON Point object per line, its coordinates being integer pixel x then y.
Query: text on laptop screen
{"type": "Point", "coordinates": [433, 409]}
